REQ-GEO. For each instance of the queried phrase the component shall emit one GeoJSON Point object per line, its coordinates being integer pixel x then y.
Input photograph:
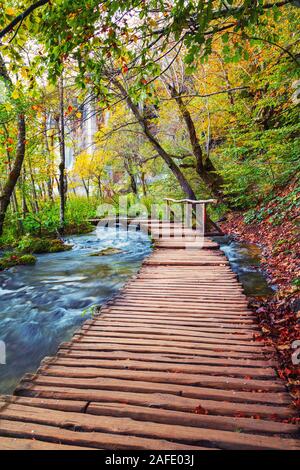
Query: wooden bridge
{"type": "Point", "coordinates": [170, 363]}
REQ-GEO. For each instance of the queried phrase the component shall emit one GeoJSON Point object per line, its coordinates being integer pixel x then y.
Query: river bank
{"type": "Point", "coordinates": [275, 228]}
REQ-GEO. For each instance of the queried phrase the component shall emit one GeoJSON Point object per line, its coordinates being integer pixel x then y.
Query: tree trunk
{"type": "Point", "coordinates": [10, 184]}
{"type": "Point", "coordinates": [13, 177]}
{"type": "Point", "coordinates": [35, 204]}
{"type": "Point", "coordinates": [143, 183]}
{"type": "Point", "coordinates": [16, 209]}
{"type": "Point", "coordinates": [22, 182]}
{"type": "Point", "coordinates": [86, 187]}
{"type": "Point", "coordinates": [186, 187]}
{"type": "Point", "coordinates": [128, 168]}
{"type": "Point", "coordinates": [100, 187]}
{"type": "Point", "coordinates": [48, 153]}
{"type": "Point", "coordinates": [204, 166]}
{"type": "Point", "coordinates": [62, 165]}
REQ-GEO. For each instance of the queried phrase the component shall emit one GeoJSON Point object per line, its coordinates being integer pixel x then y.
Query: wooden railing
{"type": "Point", "coordinates": [207, 221]}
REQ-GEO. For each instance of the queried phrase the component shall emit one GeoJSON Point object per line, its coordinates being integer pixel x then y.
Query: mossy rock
{"type": "Point", "coordinates": [10, 260]}
{"type": "Point", "coordinates": [29, 245]}
{"type": "Point", "coordinates": [108, 251]}
{"type": "Point", "coordinates": [58, 245]}
{"type": "Point", "coordinates": [27, 259]}
{"type": "Point", "coordinates": [79, 229]}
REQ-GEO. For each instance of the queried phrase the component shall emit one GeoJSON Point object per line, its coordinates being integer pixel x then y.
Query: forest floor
{"type": "Point", "coordinates": [275, 227]}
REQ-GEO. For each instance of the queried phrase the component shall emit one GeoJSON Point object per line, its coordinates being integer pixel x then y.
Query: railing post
{"type": "Point", "coordinates": [194, 204]}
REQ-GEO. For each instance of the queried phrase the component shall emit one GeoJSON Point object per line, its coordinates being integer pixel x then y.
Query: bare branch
{"type": "Point", "coordinates": [197, 95]}
{"type": "Point", "coordinates": [21, 17]}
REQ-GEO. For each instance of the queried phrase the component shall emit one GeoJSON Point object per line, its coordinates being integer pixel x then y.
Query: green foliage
{"type": "Point", "coordinates": [78, 211]}
{"type": "Point", "coordinates": [46, 221]}
{"type": "Point", "coordinates": [296, 281]}
{"type": "Point", "coordinates": [278, 211]}
{"type": "Point", "coordinates": [256, 162]}
{"type": "Point", "coordinates": [252, 136]}
{"type": "Point", "coordinates": [70, 30]}
{"type": "Point", "coordinates": [91, 311]}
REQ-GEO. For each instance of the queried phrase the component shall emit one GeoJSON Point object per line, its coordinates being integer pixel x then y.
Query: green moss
{"type": "Point", "coordinates": [57, 245]}
{"type": "Point", "coordinates": [27, 259]}
{"type": "Point", "coordinates": [29, 245]}
{"type": "Point", "coordinates": [11, 259]}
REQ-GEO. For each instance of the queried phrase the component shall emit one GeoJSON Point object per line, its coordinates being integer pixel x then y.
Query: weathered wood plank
{"type": "Point", "coordinates": [226, 383]}
{"type": "Point", "coordinates": [11, 443]}
{"type": "Point", "coordinates": [92, 439]}
{"type": "Point", "coordinates": [247, 425]}
{"type": "Point", "coordinates": [164, 357]}
{"type": "Point", "coordinates": [131, 364]}
{"type": "Point", "coordinates": [123, 426]}
{"type": "Point", "coordinates": [211, 399]}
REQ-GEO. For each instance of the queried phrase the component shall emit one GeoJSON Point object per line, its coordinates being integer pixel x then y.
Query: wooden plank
{"type": "Point", "coordinates": [204, 344]}
{"type": "Point", "coordinates": [199, 380]}
{"type": "Point", "coordinates": [98, 440]}
{"type": "Point", "coordinates": [161, 332]}
{"type": "Point", "coordinates": [156, 400]}
{"type": "Point", "coordinates": [201, 325]}
{"type": "Point", "coordinates": [131, 364]}
{"type": "Point", "coordinates": [99, 323]}
{"type": "Point", "coordinates": [201, 337]}
{"type": "Point", "coordinates": [237, 400]}
{"type": "Point", "coordinates": [11, 443]}
{"type": "Point", "coordinates": [164, 357]}
{"type": "Point", "coordinates": [247, 425]}
{"type": "Point", "coordinates": [211, 352]}
{"type": "Point", "coordinates": [70, 405]}
{"type": "Point", "coordinates": [88, 423]}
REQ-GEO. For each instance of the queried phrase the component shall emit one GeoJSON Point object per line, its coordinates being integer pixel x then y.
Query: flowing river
{"type": "Point", "coordinates": [42, 305]}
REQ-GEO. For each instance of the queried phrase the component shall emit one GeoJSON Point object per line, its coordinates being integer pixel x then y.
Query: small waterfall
{"type": "Point", "coordinates": [81, 137]}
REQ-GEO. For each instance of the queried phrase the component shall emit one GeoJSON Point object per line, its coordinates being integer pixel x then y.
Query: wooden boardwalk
{"type": "Point", "coordinates": [170, 363]}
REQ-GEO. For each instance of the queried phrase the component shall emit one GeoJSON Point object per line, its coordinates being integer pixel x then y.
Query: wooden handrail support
{"type": "Point", "coordinates": [194, 202]}
{"type": "Point", "coordinates": [191, 201]}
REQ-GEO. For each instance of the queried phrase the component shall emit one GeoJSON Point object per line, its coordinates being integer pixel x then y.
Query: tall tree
{"type": "Point", "coordinates": [10, 184]}
{"type": "Point", "coordinates": [62, 151]}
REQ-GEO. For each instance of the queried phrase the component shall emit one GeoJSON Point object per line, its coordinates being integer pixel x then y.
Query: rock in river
{"type": "Point", "coordinates": [108, 251]}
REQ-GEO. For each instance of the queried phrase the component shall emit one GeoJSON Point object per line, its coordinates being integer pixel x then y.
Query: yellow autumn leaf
{"type": "Point", "coordinates": [10, 11]}
{"type": "Point", "coordinates": [15, 94]}
{"type": "Point", "coordinates": [8, 106]}
{"type": "Point", "coordinates": [152, 22]}
{"type": "Point", "coordinates": [78, 115]}
{"type": "Point", "coordinates": [24, 72]}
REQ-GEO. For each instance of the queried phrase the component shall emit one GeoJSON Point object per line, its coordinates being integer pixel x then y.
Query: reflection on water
{"type": "Point", "coordinates": [43, 305]}
{"type": "Point", "coordinates": [245, 259]}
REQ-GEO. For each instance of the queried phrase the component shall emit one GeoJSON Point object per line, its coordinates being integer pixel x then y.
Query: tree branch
{"type": "Point", "coordinates": [197, 95]}
{"type": "Point", "coordinates": [21, 17]}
